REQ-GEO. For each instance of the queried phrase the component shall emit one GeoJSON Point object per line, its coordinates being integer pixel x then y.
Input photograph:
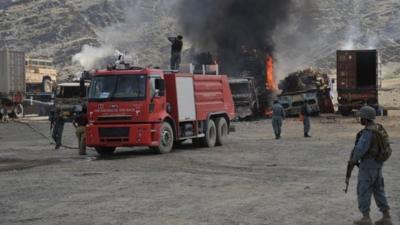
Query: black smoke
{"type": "Point", "coordinates": [227, 28]}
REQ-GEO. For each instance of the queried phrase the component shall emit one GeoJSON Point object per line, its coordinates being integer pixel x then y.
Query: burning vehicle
{"type": "Point", "coordinates": [245, 97]}
{"type": "Point", "coordinates": [309, 86]}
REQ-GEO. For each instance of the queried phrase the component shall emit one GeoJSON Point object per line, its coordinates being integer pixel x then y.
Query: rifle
{"type": "Point", "coordinates": [350, 167]}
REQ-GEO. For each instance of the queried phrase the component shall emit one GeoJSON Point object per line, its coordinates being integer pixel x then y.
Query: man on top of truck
{"type": "Point", "coordinates": [176, 50]}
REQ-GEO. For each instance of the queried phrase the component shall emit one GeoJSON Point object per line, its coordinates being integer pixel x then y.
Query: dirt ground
{"type": "Point", "coordinates": [253, 179]}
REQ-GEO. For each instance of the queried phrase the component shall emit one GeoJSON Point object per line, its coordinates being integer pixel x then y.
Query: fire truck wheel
{"type": "Point", "coordinates": [222, 131]}
{"type": "Point", "coordinates": [211, 135]}
{"type": "Point", "coordinates": [105, 151]}
{"type": "Point", "coordinates": [166, 139]}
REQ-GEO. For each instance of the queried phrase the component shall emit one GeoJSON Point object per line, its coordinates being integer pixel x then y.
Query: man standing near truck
{"type": "Point", "coordinates": [278, 115]}
{"type": "Point", "coordinates": [305, 113]}
{"type": "Point", "coordinates": [57, 124]}
{"type": "Point", "coordinates": [80, 123]}
{"type": "Point", "coordinates": [176, 50]}
{"type": "Point", "coordinates": [370, 152]}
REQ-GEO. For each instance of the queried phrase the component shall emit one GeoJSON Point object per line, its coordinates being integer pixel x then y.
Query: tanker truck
{"type": "Point", "coordinates": [131, 106]}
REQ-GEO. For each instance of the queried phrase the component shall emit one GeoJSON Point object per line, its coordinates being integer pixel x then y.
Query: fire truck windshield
{"type": "Point", "coordinates": [118, 87]}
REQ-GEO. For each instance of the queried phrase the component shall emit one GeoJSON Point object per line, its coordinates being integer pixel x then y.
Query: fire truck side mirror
{"type": "Point", "coordinates": [160, 86]}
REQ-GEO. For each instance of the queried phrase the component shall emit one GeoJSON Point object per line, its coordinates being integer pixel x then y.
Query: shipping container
{"type": "Point", "coordinates": [12, 72]}
{"type": "Point", "coordinates": [12, 80]}
{"type": "Point", "coordinates": [357, 79]}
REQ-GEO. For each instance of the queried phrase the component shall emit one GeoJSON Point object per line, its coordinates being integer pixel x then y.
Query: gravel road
{"type": "Point", "coordinates": [253, 179]}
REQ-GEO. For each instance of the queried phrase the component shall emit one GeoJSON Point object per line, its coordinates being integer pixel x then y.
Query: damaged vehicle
{"type": "Point", "coordinates": [69, 98]}
{"type": "Point", "coordinates": [245, 97]}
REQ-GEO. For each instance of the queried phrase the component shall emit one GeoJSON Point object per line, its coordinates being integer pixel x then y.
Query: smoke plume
{"type": "Point", "coordinates": [226, 27]}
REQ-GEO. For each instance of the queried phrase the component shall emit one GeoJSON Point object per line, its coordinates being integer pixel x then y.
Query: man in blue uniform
{"type": "Point", "coordinates": [306, 112]}
{"type": "Point", "coordinates": [278, 114]}
{"type": "Point", "coordinates": [370, 179]}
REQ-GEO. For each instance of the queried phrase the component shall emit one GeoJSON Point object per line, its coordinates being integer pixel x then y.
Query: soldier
{"type": "Point", "coordinates": [57, 124]}
{"type": "Point", "coordinates": [80, 123]}
{"type": "Point", "coordinates": [370, 179]}
{"type": "Point", "coordinates": [4, 113]}
{"type": "Point", "coordinates": [305, 112]}
{"type": "Point", "coordinates": [176, 50]}
{"type": "Point", "coordinates": [278, 114]}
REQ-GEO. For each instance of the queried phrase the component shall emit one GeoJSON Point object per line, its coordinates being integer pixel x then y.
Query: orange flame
{"type": "Point", "coordinates": [270, 76]}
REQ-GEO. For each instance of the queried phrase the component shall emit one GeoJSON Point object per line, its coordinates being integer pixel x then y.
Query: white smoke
{"type": "Point", "coordinates": [93, 57]}
{"type": "Point", "coordinates": [142, 36]}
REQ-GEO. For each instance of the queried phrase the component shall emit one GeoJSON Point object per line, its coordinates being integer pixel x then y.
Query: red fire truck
{"type": "Point", "coordinates": [130, 107]}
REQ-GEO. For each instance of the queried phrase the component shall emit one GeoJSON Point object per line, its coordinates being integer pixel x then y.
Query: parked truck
{"type": "Point", "coordinates": [41, 76]}
{"type": "Point", "coordinates": [357, 79]}
{"type": "Point", "coordinates": [12, 84]}
{"type": "Point", "coordinates": [130, 106]}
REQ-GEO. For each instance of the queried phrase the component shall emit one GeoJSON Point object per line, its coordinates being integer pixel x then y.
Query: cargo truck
{"type": "Point", "coordinates": [12, 84]}
{"type": "Point", "coordinates": [245, 97]}
{"type": "Point", "coordinates": [357, 79]}
{"type": "Point", "coordinates": [130, 106]}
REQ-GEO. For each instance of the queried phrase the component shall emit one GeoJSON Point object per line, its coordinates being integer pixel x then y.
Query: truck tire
{"type": "Point", "coordinates": [345, 111]}
{"type": "Point", "coordinates": [18, 111]}
{"type": "Point", "coordinates": [222, 131]}
{"type": "Point", "coordinates": [166, 139]}
{"type": "Point", "coordinates": [211, 135]}
{"type": "Point", "coordinates": [105, 151]}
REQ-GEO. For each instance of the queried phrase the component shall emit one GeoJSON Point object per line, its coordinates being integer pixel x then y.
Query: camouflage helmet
{"type": "Point", "coordinates": [367, 112]}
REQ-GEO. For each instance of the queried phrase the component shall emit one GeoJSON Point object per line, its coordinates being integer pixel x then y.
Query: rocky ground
{"type": "Point", "coordinates": [253, 179]}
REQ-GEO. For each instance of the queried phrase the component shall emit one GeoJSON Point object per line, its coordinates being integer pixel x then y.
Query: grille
{"type": "Point", "coordinates": [114, 118]}
{"type": "Point", "coordinates": [114, 132]}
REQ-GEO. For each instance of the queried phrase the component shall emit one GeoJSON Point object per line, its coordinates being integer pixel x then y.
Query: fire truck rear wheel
{"type": "Point", "coordinates": [105, 151]}
{"type": "Point", "coordinates": [222, 131]}
{"type": "Point", "coordinates": [166, 139]}
{"type": "Point", "coordinates": [211, 134]}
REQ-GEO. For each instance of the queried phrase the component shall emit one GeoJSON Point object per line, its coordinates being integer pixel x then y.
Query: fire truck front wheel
{"type": "Point", "coordinates": [166, 139]}
{"type": "Point", "coordinates": [105, 151]}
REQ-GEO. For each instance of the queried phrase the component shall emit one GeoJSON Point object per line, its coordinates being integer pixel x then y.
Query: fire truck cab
{"type": "Point", "coordinates": [130, 107]}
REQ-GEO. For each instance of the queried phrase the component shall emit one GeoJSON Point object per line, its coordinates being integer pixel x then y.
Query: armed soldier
{"type": "Point", "coordinates": [371, 150]}
{"type": "Point", "coordinates": [176, 50]}
{"type": "Point", "coordinates": [278, 115]}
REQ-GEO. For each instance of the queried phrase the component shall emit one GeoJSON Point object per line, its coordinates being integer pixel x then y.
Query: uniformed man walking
{"type": "Point", "coordinates": [306, 112]}
{"type": "Point", "coordinates": [278, 115]}
{"type": "Point", "coordinates": [176, 50]}
{"type": "Point", "coordinates": [57, 124]}
{"type": "Point", "coordinates": [80, 123]}
{"type": "Point", "coordinates": [370, 179]}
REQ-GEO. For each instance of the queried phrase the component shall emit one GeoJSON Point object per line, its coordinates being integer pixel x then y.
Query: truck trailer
{"type": "Point", "coordinates": [130, 106]}
{"type": "Point", "coordinates": [357, 79]}
{"type": "Point", "coordinates": [12, 85]}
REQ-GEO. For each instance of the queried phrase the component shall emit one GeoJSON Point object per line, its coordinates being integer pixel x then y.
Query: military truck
{"type": "Point", "coordinates": [69, 98]}
{"type": "Point", "coordinates": [307, 85]}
